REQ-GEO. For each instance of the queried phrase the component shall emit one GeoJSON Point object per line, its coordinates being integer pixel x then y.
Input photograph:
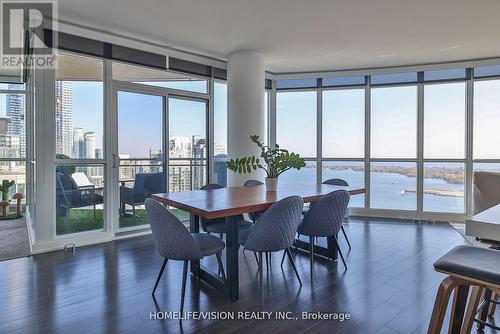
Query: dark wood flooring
{"type": "Point", "coordinates": [389, 287]}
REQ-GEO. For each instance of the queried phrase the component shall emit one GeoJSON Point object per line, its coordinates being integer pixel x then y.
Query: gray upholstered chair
{"type": "Point", "coordinates": [174, 242]}
{"type": "Point", "coordinates": [324, 219]}
{"type": "Point", "coordinates": [218, 225]}
{"type": "Point", "coordinates": [253, 215]}
{"type": "Point", "coordinates": [275, 231]}
{"type": "Point", "coordinates": [335, 182]}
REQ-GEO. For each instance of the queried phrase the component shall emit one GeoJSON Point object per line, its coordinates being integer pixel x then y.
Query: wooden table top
{"type": "Point", "coordinates": [224, 202]}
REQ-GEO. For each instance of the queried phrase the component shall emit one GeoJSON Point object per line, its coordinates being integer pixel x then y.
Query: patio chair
{"type": "Point", "coordinates": [71, 196]}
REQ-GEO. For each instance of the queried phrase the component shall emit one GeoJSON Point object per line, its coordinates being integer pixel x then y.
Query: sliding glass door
{"type": "Point", "coordinates": [161, 146]}
{"type": "Point", "coordinates": [141, 169]}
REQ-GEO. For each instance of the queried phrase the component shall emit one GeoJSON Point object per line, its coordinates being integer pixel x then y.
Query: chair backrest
{"type": "Point", "coordinates": [277, 227]}
{"type": "Point", "coordinates": [212, 186]}
{"type": "Point", "coordinates": [325, 217]}
{"type": "Point", "coordinates": [336, 182]}
{"type": "Point", "coordinates": [154, 183]}
{"type": "Point", "coordinates": [251, 183]}
{"type": "Point", "coordinates": [139, 183]}
{"type": "Point", "coordinates": [172, 239]}
{"type": "Point", "coordinates": [65, 182]}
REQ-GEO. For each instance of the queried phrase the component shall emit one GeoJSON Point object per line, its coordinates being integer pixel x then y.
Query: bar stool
{"type": "Point", "coordinates": [467, 267]}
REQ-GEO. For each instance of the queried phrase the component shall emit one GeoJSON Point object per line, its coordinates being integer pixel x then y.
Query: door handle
{"type": "Point", "coordinates": [116, 161]}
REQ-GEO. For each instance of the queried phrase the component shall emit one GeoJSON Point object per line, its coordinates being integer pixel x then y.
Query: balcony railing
{"type": "Point", "coordinates": [184, 174]}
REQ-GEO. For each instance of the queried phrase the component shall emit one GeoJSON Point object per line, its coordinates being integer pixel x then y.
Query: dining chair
{"type": "Point", "coordinates": [253, 215]}
{"type": "Point", "coordinates": [324, 219]}
{"type": "Point", "coordinates": [335, 182]}
{"type": "Point", "coordinates": [275, 231]}
{"type": "Point", "coordinates": [218, 225]}
{"type": "Point", "coordinates": [174, 242]}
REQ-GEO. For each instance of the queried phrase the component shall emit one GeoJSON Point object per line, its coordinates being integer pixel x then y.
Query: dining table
{"type": "Point", "coordinates": [229, 203]}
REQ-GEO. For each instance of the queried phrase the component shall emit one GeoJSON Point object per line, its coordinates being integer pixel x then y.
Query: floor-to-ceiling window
{"type": "Point", "coordinates": [296, 114]}
{"type": "Point", "coordinates": [486, 120]}
{"type": "Point", "coordinates": [13, 135]}
{"type": "Point", "coordinates": [407, 137]}
{"type": "Point", "coordinates": [393, 150]}
{"type": "Point", "coordinates": [343, 142]}
{"type": "Point", "coordinates": [444, 147]}
{"type": "Point", "coordinates": [79, 136]}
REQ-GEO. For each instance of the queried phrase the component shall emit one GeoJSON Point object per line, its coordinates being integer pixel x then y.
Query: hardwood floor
{"type": "Point", "coordinates": [389, 287]}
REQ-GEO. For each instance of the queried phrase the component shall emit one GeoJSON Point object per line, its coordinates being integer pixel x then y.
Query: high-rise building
{"type": "Point", "coordinates": [78, 143]}
{"type": "Point", "coordinates": [15, 111]}
{"type": "Point", "coordinates": [64, 118]}
{"type": "Point", "coordinates": [89, 143]}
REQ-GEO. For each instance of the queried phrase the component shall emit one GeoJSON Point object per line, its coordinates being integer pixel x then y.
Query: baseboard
{"type": "Point", "coordinates": [79, 240]}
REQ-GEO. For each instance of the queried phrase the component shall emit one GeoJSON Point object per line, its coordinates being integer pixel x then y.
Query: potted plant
{"type": "Point", "coordinates": [276, 161]}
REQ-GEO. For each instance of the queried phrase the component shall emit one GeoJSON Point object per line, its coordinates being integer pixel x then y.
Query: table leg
{"type": "Point", "coordinates": [232, 257]}
{"type": "Point", "coordinates": [194, 227]}
{"type": "Point", "coordinates": [332, 248]}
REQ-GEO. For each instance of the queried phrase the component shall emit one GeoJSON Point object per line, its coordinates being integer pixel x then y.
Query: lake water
{"type": "Point", "coordinates": [386, 189]}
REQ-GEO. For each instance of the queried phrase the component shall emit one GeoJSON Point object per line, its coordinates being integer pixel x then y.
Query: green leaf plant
{"type": "Point", "coordinates": [274, 161]}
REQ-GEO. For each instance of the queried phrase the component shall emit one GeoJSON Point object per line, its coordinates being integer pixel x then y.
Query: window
{"type": "Point", "coordinates": [444, 187]}
{"type": "Point", "coordinates": [158, 78]}
{"type": "Point", "coordinates": [220, 133]}
{"type": "Point", "coordinates": [296, 83]}
{"type": "Point", "coordinates": [486, 119]}
{"type": "Point", "coordinates": [444, 121]}
{"type": "Point", "coordinates": [445, 74]}
{"type": "Point", "coordinates": [79, 198]}
{"type": "Point", "coordinates": [486, 71]}
{"type": "Point", "coordinates": [13, 146]}
{"type": "Point", "coordinates": [380, 79]}
{"type": "Point", "coordinates": [393, 185]}
{"type": "Point", "coordinates": [394, 122]}
{"type": "Point", "coordinates": [306, 175]}
{"type": "Point", "coordinates": [79, 108]}
{"type": "Point", "coordinates": [79, 118]}
{"type": "Point", "coordinates": [343, 81]}
{"type": "Point", "coordinates": [353, 172]}
{"type": "Point", "coordinates": [12, 126]}
{"type": "Point", "coordinates": [344, 123]}
{"type": "Point", "coordinates": [296, 114]}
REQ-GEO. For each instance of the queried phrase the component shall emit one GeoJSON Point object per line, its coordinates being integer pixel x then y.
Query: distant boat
{"type": "Point", "coordinates": [402, 192]}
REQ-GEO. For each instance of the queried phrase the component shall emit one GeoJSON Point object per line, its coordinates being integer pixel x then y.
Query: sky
{"type": "Point", "coordinates": [393, 120]}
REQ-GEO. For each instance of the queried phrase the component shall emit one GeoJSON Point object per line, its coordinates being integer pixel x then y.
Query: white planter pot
{"type": "Point", "coordinates": [271, 183]}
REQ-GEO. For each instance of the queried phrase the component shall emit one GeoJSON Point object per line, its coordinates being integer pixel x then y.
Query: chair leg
{"type": "Point", "coordinates": [184, 276]}
{"type": "Point", "coordinates": [474, 300]}
{"type": "Point", "coordinates": [66, 217]}
{"type": "Point", "coordinates": [484, 311]}
{"type": "Point", "coordinates": [94, 215]}
{"type": "Point", "coordinates": [261, 279]}
{"type": "Point", "coordinates": [221, 267]}
{"type": "Point", "coordinates": [133, 213]}
{"type": "Point", "coordinates": [267, 262]}
{"type": "Point", "coordinates": [256, 259]}
{"type": "Point", "coordinates": [283, 258]}
{"type": "Point", "coordinates": [441, 304]}
{"type": "Point", "coordinates": [345, 236]}
{"type": "Point", "coordinates": [287, 251]}
{"type": "Point", "coordinates": [311, 257]}
{"type": "Point", "coordinates": [340, 251]}
{"type": "Point", "coordinates": [492, 308]}
{"type": "Point", "coordinates": [159, 276]}
{"type": "Point", "coordinates": [458, 308]}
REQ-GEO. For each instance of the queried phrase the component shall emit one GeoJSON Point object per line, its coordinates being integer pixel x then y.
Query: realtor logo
{"type": "Point", "coordinates": [27, 36]}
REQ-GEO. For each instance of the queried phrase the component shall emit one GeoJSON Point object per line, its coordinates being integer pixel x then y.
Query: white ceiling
{"type": "Point", "coordinates": [306, 35]}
